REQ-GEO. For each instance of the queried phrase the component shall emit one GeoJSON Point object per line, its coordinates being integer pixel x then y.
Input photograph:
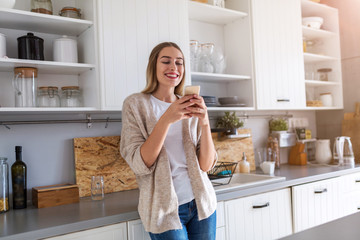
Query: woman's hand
{"type": "Point", "coordinates": [199, 110]}
{"type": "Point", "coordinates": [178, 110]}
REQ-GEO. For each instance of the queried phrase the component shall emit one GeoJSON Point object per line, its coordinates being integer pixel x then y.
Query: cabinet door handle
{"type": "Point", "coordinates": [262, 206]}
{"type": "Point", "coordinates": [357, 180]}
{"type": "Point", "coordinates": [324, 190]}
{"type": "Point", "coordinates": [283, 100]}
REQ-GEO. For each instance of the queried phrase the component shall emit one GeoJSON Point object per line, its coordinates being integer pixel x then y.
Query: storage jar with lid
{"type": "Point", "coordinates": [65, 50]}
{"type": "Point", "coordinates": [71, 96]}
{"type": "Point", "coordinates": [48, 96]}
{"type": "Point", "coordinates": [326, 99]}
{"type": "Point", "coordinates": [30, 47]}
{"type": "Point", "coordinates": [4, 185]}
{"type": "Point", "coordinates": [42, 6]}
{"type": "Point", "coordinates": [323, 73]}
{"type": "Point", "coordinates": [70, 12]}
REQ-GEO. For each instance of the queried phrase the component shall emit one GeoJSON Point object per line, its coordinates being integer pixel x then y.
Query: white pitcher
{"type": "Point", "coordinates": [323, 151]}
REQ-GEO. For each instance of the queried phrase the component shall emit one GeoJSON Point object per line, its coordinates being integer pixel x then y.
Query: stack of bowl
{"type": "Point", "coordinates": [210, 101]}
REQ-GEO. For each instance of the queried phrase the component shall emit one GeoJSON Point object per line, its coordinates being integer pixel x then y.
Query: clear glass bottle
{"type": "Point", "coordinates": [42, 6]}
{"type": "Point", "coordinates": [71, 96]}
{"type": "Point", "coordinates": [18, 176]}
{"type": "Point", "coordinates": [4, 185]}
{"type": "Point", "coordinates": [48, 97]}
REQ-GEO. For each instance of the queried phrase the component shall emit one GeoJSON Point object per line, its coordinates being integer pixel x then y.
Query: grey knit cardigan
{"type": "Point", "coordinates": [158, 203]}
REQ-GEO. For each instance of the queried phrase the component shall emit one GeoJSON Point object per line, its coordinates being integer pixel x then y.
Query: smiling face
{"type": "Point", "coordinates": [169, 67]}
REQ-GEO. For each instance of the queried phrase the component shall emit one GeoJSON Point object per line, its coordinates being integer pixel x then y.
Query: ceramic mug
{"type": "Point", "coordinates": [2, 45]}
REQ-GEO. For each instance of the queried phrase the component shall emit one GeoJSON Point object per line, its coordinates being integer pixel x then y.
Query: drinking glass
{"type": "Point", "coordinates": [97, 187]}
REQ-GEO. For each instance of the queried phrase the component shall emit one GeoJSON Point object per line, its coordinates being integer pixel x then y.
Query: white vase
{"type": "Point", "coordinates": [323, 151]}
{"type": "Point", "coordinates": [7, 3]}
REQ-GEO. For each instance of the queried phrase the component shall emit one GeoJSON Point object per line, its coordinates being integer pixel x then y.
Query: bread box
{"type": "Point", "coordinates": [55, 195]}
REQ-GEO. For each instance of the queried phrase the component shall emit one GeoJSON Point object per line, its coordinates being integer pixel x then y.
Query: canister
{"type": "Point", "coordinates": [71, 96]}
{"type": "Point", "coordinates": [326, 99]}
{"type": "Point", "coordinates": [2, 45]}
{"type": "Point", "coordinates": [48, 97]}
{"type": "Point", "coordinates": [70, 12]}
{"type": "Point", "coordinates": [30, 47]}
{"type": "Point", "coordinates": [65, 50]}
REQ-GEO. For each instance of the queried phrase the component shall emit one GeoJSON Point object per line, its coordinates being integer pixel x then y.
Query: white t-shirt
{"type": "Point", "coordinates": [175, 150]}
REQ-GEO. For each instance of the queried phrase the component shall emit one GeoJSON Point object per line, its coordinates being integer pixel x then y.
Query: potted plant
{"type": "Point", "coordinates": [229, 123]}
{"type": "Point", "coordinates": [278, 125]}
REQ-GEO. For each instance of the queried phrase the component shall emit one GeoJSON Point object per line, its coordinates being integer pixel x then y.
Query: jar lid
{"type": "Point", "coordinates": [326, 93]}
{"type": "Point", "coordinates": [324, 70]}
{"type": "Point", "coordinates": [26, 72]}
{"type": "Point", "coordinates": [48, 88]}
{"type": "Point", "coordinates": [70, 88]}
{"type": "Point", "coordinates": [3, 158]}
{"type": "Point", "coordinates": [64, 9]}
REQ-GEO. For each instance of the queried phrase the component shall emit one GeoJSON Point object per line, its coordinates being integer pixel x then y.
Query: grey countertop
{"type": "Point", "coordinates": [33, 223]}
{"type": "Point", "coordinates": [344, 228]}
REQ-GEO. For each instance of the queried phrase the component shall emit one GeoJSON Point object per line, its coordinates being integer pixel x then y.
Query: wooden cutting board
{"type": "Point", "coordinates": [351, 128]}
{"type": "Point", "coordinates": [231, 150]}
{"type": "Point", "coordinates": [101, 156]}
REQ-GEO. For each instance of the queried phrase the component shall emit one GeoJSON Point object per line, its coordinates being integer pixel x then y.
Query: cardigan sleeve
{"type": "Point", "coordinates": [198, 147]}
{"type": "Point", "coordinates": [131, 141]}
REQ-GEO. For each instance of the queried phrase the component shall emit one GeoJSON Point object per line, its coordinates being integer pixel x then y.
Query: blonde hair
{"type": "Point", "coordinates": [151, 78]}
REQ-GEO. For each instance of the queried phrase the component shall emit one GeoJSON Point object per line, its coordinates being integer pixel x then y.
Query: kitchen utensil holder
{"type": "Point", "coordinates": [222, 173]}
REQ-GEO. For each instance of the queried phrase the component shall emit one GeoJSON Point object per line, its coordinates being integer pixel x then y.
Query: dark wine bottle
{"type": "Point", "coordinates": [18, 174]}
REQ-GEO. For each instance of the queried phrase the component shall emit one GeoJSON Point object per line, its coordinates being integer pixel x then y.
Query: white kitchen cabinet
{"type": "Point", "coordinates": [111, 232]}
{"type": "Point", "coordinates": [18, 21]}
{"type": "Point", "coordinates": [230, 30]}
{"type": "Point", "coordinates": [351, 193]}
{"type": "Point", "coordinates": [262, 216]}
{"type": "Point", "coordinates": [324, 53]}
{"type": "Point", "coordinates": [278, 54]}
{"type": "Point", "coordinates": [128, 31]}
{"type": "Point", "coordinates": [136, 231]}
{"type": "Point", "coordinates": [316, 203]}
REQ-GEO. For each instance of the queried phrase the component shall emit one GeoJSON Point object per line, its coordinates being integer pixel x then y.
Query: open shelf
{"type": "Point", "coordinates": [323, 108]}
{"type": "Point", "coordinates": [8, 64]}
{"type": "Point", "coordinates": [37, 22]}
{"type": "Point", "coordinates": [213, 14]}
{"type": "Point", "coordinates": [310, 57]}
{"type": "Point", "coordinates": [317, 83]}
{"type": "Point", "coordinates": [222, 109]}
{"type": "Point", "coordinates": [41, 109]}
{"type": "Point", "coordinates": [312, 33]}
{"type": "Point", "coordinates": [216, 77]}
{"type": "Point", "coordinates": [313, 7]}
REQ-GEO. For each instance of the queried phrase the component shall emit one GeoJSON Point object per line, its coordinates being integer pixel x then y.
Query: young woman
{"type": "Point", "coordinates": [166, 140]}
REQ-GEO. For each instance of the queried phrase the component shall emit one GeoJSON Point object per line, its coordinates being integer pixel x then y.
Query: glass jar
{"type": "Point", "coordinates": [194, 55]}
{"type": "Point", "coordinates": [70, 12]}
{"type": "Point", "coordinates": [4, 185]}
{"type": "Point", "coordinates": [207, 50]}
{"type": "Point", "coordinates": [48, 97]}
{"type": "Point", "coordinates": [71, 96]}
{"type": "Point", "coordinates": [42, 6]}
{"type": "Point", "coordinates": [323, 74]}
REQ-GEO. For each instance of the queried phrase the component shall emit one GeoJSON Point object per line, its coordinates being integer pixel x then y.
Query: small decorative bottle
{"type": "Point", "coordinates": [4, 185]}
{"type": "Point", "coordinates": [244, 165]}
{"type": "Point", "coordinates": [18, 174]}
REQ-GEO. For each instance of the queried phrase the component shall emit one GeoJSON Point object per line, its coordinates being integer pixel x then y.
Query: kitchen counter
{"type": "Point", "coordinates": [33, 223]}
{"type": "Point", "coordinates": [343, 228]}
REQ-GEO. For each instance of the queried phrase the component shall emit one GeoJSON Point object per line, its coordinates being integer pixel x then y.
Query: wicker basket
{"type": "Point", "coordinates": [222, 173]}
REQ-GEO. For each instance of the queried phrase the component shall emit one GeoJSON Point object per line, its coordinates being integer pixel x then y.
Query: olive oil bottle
{"type": "Point", "coordinates": [18, 174]}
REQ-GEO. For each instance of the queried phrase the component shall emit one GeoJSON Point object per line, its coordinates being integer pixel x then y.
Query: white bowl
{"type": "Point", "coordinates": [313, 22]}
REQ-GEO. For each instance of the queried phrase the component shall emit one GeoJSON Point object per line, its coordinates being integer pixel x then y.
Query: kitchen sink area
{"type": "Point", "coordinates": [244, 180]}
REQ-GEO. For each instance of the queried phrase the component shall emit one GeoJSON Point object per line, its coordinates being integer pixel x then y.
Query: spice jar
{"type": "Point", "coordinates": [70, 12]}
{"type": "Point", "coordinates": [42, 6]}
{"type": "Point", "coordinates": [71, 96]}
{"type": "Point", "coordinates": [4, 185]}
{"type": "Point", "coordinates": [48, 97]}
{"type": "Point", "coordinates": [323, 73]}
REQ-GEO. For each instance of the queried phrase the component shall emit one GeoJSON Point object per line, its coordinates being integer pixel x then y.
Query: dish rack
{"type": "Point", "coordinates": [222, 173]}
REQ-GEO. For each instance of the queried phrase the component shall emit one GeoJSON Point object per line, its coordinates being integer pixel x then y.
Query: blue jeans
{"type": "Point", "coordinates": [192, 228]}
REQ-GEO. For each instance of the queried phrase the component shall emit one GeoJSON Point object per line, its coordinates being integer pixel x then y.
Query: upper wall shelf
{"type": "Point", "coordinates": [216, 77]}
{"type": "Point", "coordinates": [37, 22]}
{"type": "Point", "coordinates": [310, 58]}
{"type": "Point", "coordinates": [317, 83]}
{"type": "Point", "coordinates": [212, 14]}
{"type": "Point", "coordinates": [7, 65]}
{"type": "Point", "coordinates": [312, 33]}
{"type": "Point", "coordinates": [310, 7]}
